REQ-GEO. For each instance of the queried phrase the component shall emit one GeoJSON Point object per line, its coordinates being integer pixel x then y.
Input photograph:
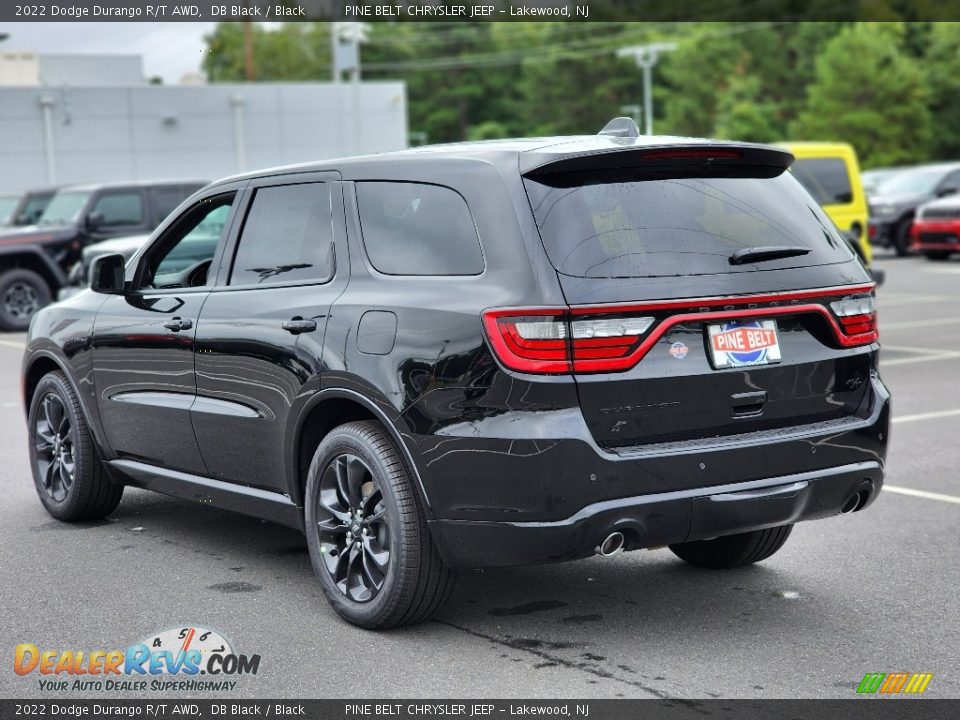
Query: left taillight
{"type": "Point", "coordinates": [550, 341]}
{"type": "Point", "coordinates": [858, 319]}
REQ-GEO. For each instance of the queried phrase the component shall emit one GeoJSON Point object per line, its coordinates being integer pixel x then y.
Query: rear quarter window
{"type": "Point", "coordinates": [418, 229]}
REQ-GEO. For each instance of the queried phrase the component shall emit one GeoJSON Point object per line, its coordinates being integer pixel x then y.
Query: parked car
{"type": "Point", "coordinates": [831, 174]}
{"type": "Point", "coordinates": [894, 205]}
{"type": "Point", "coordinates": [493, 353]}
{"type": "Point", "coordinates": [873, 179]}
{"type": "Point", "coordinates": [936, 230]}
{"type": "Point", "coordinates": [35, 260]}
{"type": "Point", "coordinates": [29, 207]}
{"type": "Point", "coordinates": [79, 277]}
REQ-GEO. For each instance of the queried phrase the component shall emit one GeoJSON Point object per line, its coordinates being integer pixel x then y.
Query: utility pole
{"type": "Point", "coordinates": [345, 38]}
{"type": "Point", "coordinates": [646, 57]}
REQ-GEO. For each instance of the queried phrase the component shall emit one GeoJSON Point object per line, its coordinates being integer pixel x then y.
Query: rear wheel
{"type": "Point", "coordinates": [367, 532]}
{"type": "Point", "coordinates": [733, 551]}
{"type": "Point", "coordinates": [937, 254]}
{"type": "Point", "coordinates": [69, 475]}
{"type": "Point", "coordinates": [22, 294]}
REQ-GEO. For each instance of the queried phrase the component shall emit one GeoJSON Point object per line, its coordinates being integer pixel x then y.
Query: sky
{"type": "Point", "coordinates": [168, 49]}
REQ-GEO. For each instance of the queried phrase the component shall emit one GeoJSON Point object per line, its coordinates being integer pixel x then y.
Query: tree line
{"type": "Point", "coordinates": [891, 89]}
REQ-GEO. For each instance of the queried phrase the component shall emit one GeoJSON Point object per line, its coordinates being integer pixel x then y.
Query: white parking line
{"type": "Point", "coordinates": [922, 494]}
{"type": "Point", "coordinates": [13, 344]}
{"type": "Point", "coordinates": [926, 416]}
{"type": "Point", "coordinates": [921, 356]}
{"type": "Point", "coordinates": [910, 324]}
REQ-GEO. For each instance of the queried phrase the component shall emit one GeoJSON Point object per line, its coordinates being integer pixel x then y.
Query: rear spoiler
{"type": "Point", "coordinates": [628, 155]}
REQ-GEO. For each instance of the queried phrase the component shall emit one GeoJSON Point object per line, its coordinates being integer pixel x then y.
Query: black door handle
{"type": "Point", "coordinates": [176, 324]}
{"type": "Point", "coordinates": [298, 325]}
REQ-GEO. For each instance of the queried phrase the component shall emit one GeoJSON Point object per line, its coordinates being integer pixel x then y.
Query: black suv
{"type": "Point", "coordinates": [497, 353]}
{"type": "Point", "coordinates": [35, 260]}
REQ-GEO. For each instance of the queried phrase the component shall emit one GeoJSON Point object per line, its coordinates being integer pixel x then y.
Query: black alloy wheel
{"type": "Point", "coordinates": [354, 528]}
{"type": "Point", "coordinates": [54, 444]}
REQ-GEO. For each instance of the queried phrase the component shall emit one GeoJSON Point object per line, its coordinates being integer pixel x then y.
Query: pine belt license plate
{"type": "Point", "coordinates": [739, 344]}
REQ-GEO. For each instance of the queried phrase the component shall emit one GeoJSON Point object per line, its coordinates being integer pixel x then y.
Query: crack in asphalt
{"type": "Point", "coordinates": [572, 664]}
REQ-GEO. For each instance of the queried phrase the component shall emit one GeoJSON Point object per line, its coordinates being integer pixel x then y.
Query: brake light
{"type": "Point", "coordinates": [858, 319]}
{"type": "Point", "coordinates": [693, 154]}
{"type": "Point", "coordinates": [550, 342]}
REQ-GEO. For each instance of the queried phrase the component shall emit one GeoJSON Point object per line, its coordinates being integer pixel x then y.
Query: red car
{"type": "Point", "coordinates": [936, 229]}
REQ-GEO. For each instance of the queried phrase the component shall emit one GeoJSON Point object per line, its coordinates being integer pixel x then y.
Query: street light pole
{"type": "Point", "coordinates": [646, 57]}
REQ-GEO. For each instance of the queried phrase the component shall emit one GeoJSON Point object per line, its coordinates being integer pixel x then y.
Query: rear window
{"type": "Point", "coordinates": [669, 226]}
{"type": "Point", "coordinates": [418, 229]}
{"type": "Point", "coordinates": [826, 179]}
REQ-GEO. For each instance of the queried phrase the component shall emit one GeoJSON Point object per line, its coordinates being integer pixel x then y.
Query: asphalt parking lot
{"type": "Point", "coordinates": [871, 592]}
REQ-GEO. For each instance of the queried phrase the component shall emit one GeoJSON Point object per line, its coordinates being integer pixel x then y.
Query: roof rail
{"type": "Point", "coordinates": [624, 127]}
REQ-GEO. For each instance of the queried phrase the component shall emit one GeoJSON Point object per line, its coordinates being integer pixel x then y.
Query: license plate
{"type": "Point", "coordinates": [739, 344]}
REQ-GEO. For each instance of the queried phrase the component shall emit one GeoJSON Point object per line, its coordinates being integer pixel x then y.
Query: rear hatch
{"type": "Point", "coordinates": [708, 295]}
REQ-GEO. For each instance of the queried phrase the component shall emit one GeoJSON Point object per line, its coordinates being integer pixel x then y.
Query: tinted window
{"type": "Point", "coordinates": [190, 244]}
{"type": "Point", "coordinates": [287, 237]}
{"type": "Point", "coordinates": [119, 209]}
{"type": "Point", "coordinates": [33, 208]}
{"type": "Point", "coordinates": [64, 208]}
{"type": "Point", "coordinates": [824, 178]}
{"type": "Point", "coordinates": [678, 226]}
{"type": "Point", "coordinates": [166, 200]}
{"type": "Point", "coordinates": [415, 229]}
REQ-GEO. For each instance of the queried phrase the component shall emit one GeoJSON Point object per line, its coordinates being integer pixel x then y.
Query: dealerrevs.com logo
{"type": "Point", "coordinates": [894, 683]}
{"type": "Point", "coordinates": [172, 660]}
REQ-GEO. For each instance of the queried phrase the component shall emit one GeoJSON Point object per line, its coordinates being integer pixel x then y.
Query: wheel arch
{"type": "Point", "coordinates": [326, 410]}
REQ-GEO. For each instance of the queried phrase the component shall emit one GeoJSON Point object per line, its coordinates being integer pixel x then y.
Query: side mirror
{"type": "Point", "coordinates": [947, 190]}
{"type": "Point", "coordinates": [94, 221]}
{"type": "Point", "coordinates": [106, 274]}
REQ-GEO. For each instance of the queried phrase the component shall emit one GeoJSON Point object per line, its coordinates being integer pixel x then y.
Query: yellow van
{"type": "Point", "coordinates": [830, 172]}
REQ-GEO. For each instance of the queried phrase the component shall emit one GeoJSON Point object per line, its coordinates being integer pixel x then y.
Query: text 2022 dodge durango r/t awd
{"type": "Point", "coordinates": [497, 353]}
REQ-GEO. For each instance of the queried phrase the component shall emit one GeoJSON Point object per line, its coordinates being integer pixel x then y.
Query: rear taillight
{"type": "Point", "coordinates": [551, 342]}
{"type": "Point", "coordinates": [858, 319]}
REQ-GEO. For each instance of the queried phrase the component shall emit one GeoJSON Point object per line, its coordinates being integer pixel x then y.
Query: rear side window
{"type": "Point", "coordinates": [597, 228]}
{"type": "Point", "coordinates": [125, 208]}
{"type": "Point", "coordinates": [826, 179]}
{"type": "Point", "coordinates": [287, 237]}
{"type": "Point", "coordinates": [418, 229]}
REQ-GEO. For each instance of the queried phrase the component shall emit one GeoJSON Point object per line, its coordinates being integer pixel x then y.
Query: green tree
{"type": "Point", "coordinates": [869, 93]}
{"type": "Point", "coordinates": [292, 51]}
{"type": "Point", "coordinates": [743, 113]}
{"type": "Point", "coordinates": [942, 70]}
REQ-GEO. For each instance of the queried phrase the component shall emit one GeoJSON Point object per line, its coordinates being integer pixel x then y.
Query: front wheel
{"type": "Point", "coordinates": [69, 475]}
{"type": "Point", "coordinates": [367, 532]}
{"type": "Point", "coordinates": [733, 551]}
{"type": "Point", "coordinates": [901, 237]}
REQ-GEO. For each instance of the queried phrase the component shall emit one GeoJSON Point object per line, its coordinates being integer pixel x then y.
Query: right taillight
{"type": "Point", "coordinates": [858, 319]}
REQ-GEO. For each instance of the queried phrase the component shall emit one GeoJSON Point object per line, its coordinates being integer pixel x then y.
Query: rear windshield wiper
{"type": "Point", "coordinates": [766, 252]}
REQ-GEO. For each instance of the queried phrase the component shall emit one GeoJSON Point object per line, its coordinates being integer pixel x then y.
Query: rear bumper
{"type": "Point", "coordinates": [935, 236]}
{"type": "Point", "coordinates": [523, 502]}
{"type": "Point", "coordinates": [664, 518]}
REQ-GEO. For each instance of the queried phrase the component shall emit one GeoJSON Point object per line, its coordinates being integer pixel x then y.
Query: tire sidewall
{"type": "Point", "coordinates": [365, 614]}
{"type": "Point", "coordinates": [82, 448]}
{"type": "Point", "coordinates": [8, 278]}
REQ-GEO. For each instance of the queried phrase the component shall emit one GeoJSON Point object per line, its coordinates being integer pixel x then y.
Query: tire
{"type": "Point", "coordinates": [22, 294]}
{"type": "Point", "coordinates": [59, 436]}
{"type": "Point", "coordinates": [937, 254]}
{"type": "Point", "coordinates": [733, 551]}
{"type": "Point", "coordinates": [901, 237]}
{"type": "Point", "coordinates": [355, 470]}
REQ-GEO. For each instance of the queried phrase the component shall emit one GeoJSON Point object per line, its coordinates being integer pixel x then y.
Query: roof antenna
{"type": "Point", "coordinates": [624, 127]}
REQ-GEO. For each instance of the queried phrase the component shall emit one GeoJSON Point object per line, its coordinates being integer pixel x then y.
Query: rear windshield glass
{"type": "Point", "coordinates": [824, 178]}
{"type": "Point", "coordinates": [668, 226]}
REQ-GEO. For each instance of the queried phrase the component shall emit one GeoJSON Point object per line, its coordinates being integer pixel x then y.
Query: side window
{"type": "Point", "coordinates": [119, 208]}
{"type": "Point", "coordinates": [182, 257]}
{"type": "Point", "coordinates": [166, 200]}
{"type": "Point", "coordinates": [287, 237]}
{"type": "Point", "coordinates": [418, 229]}
{"type": "Point", "coordinates": [824, 178]}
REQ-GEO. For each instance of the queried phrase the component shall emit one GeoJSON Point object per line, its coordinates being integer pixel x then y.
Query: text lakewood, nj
{"type": "Point", "coordinates": [429, 11]}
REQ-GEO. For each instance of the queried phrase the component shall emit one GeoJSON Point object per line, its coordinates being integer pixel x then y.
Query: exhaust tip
{"type": "Point", "coordinates": [852, 503]}
{"type": "Point", "coordinates": [612, 544]}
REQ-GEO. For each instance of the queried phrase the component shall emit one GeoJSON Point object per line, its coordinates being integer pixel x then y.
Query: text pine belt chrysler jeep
{"type": "Point", "coordinates": [494, 353]}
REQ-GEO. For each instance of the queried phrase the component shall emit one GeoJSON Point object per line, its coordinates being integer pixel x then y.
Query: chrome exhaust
{"type": "Point", "coordinates": [850, 505]}
{"type": "Point", "coordinates": [612, 544]}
